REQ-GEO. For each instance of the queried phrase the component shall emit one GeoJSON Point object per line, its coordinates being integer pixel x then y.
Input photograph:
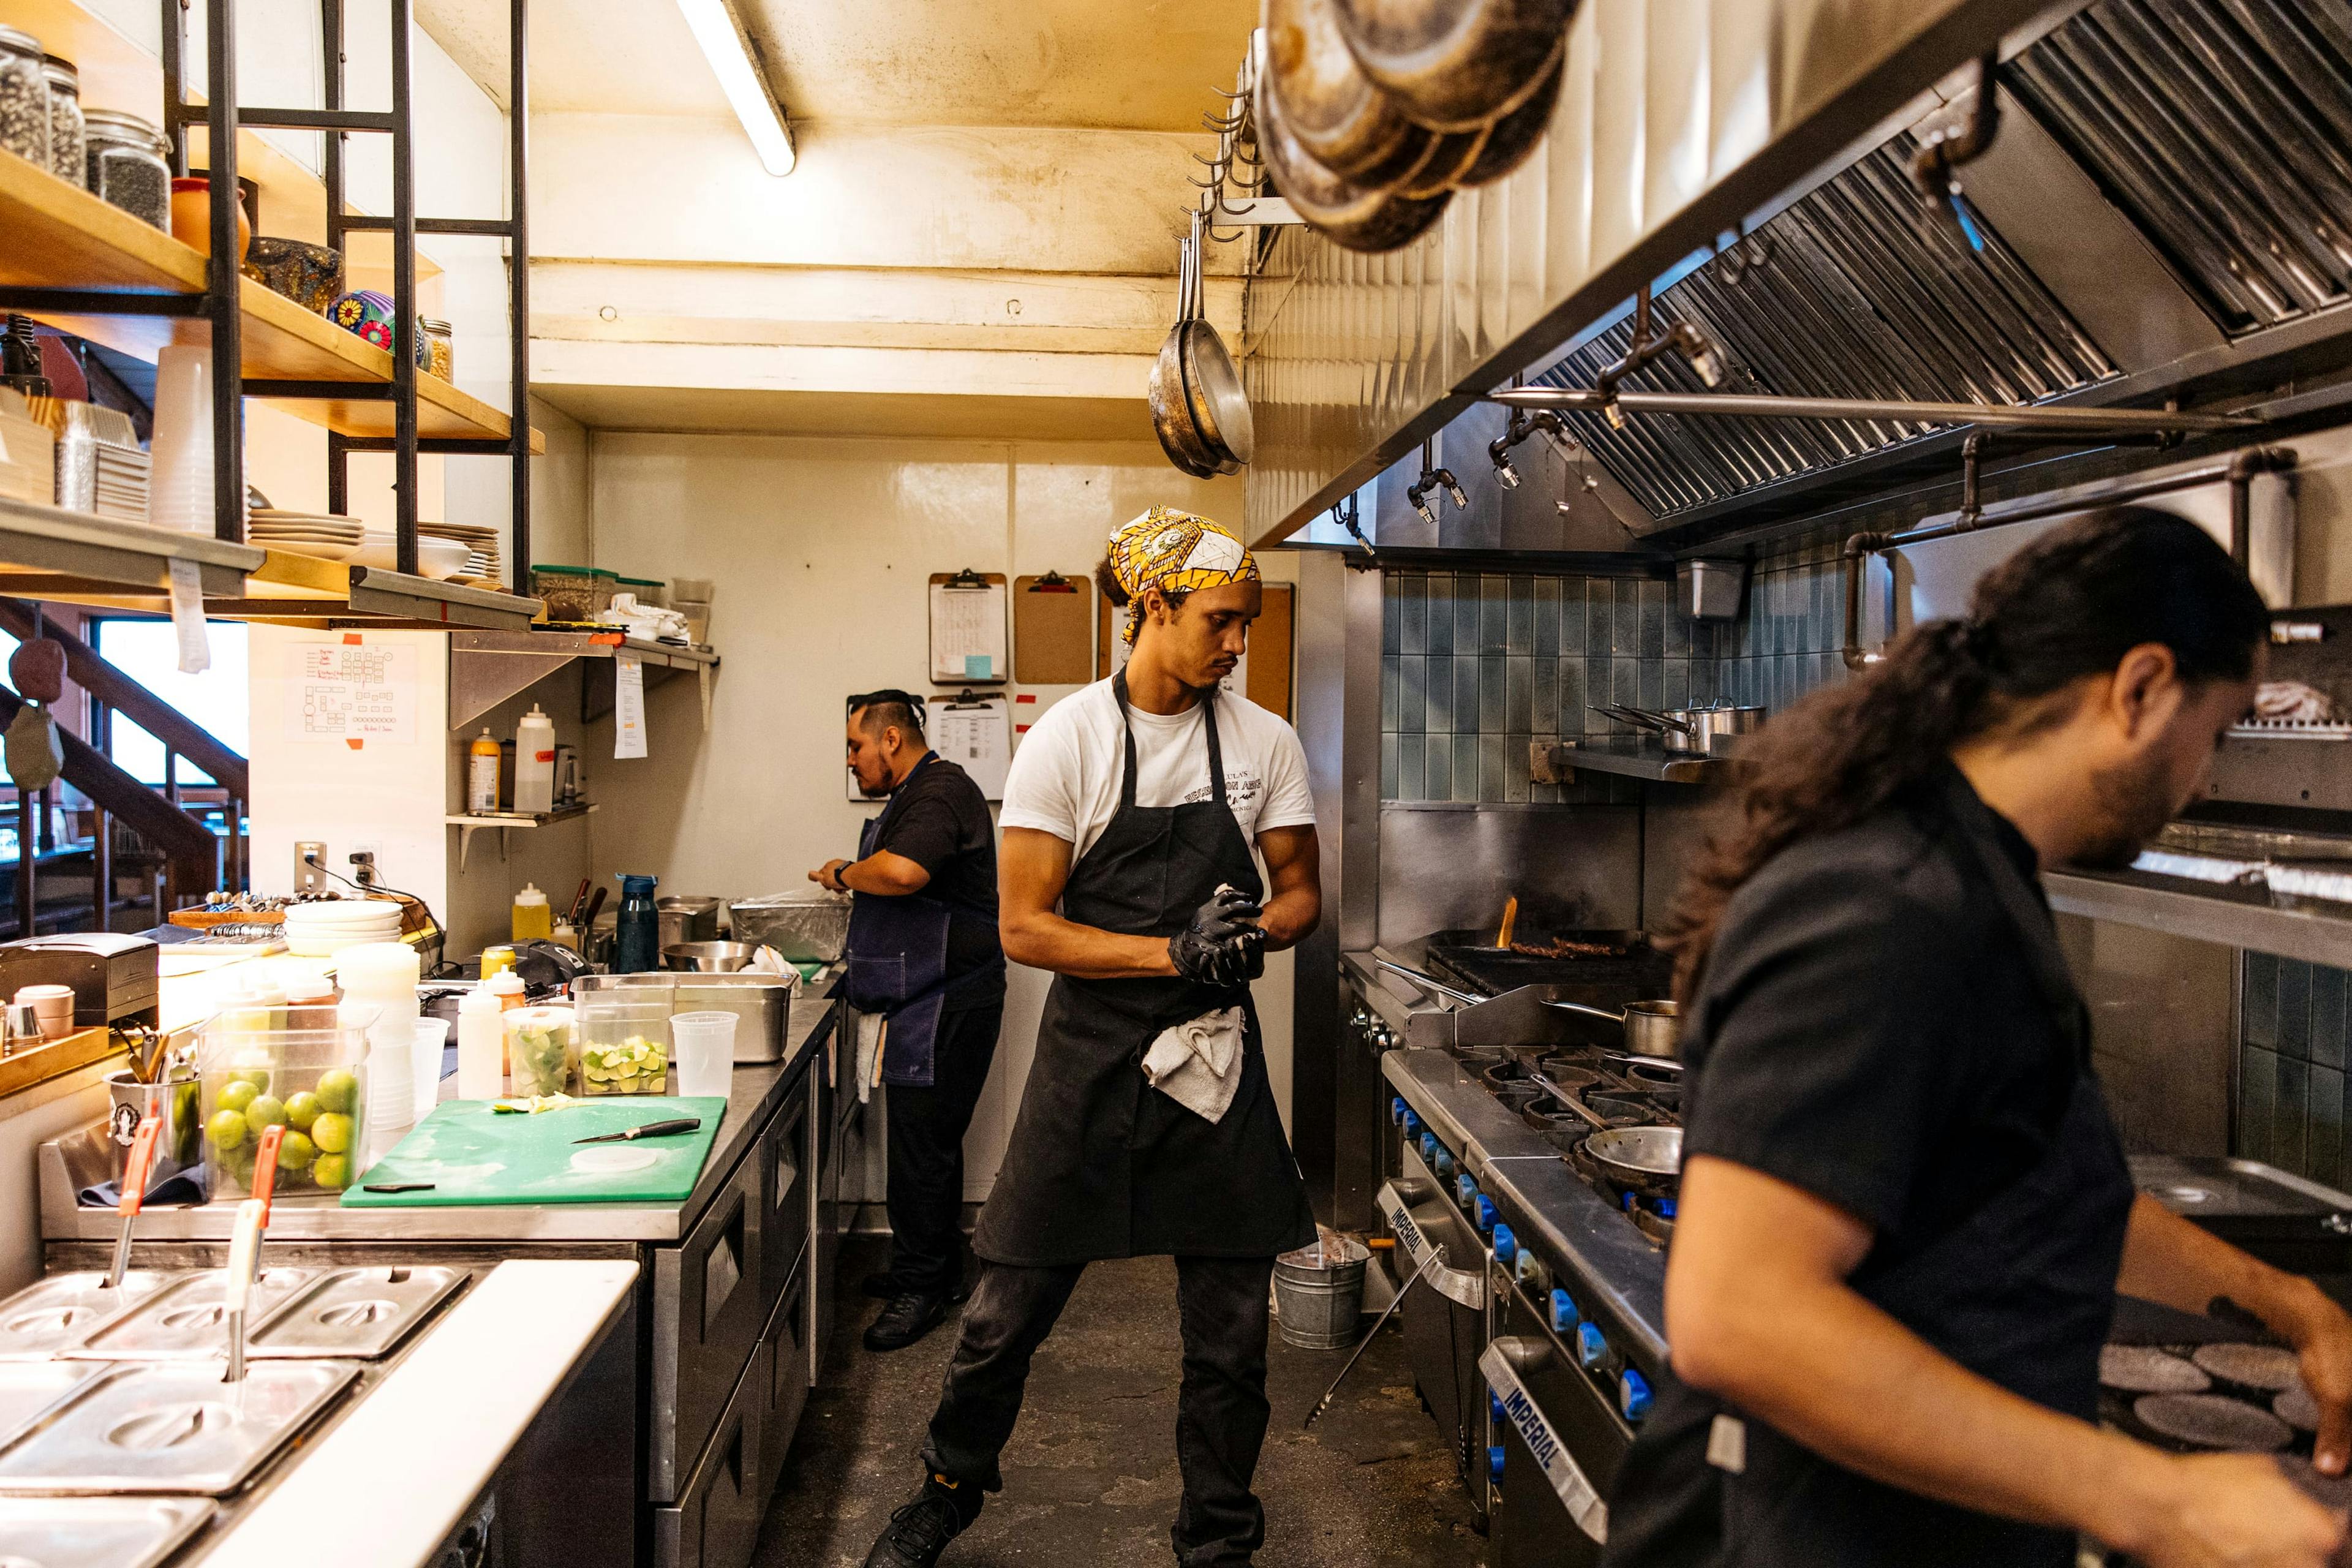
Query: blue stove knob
{"type": "Point", "coordinates": [1495, 1408]}
{"type": "Point", "coordinates": [1507, 1245]}
{"type": "Point", "coordinates": [1444, 1163]}
{"type": "Point", "coordinates": [1412, 1123]}
{"type": "Point", "coordinates": [1396, 1109]}
{"type": "Point", "coordinates": [1564, 1315]}
{"type": "Point", "coordinates": [1632, 1394]}
{"type": "Point", "coordinates": [1666, 1209]}
{"type": "Point", "coordinates": [1466, 1190]}
{"type": "Point", "coordinates": [1428, 1147]}
{"type": "Point", "coordinates": [1494, 1462]}
{"type": "Point", "coordinates": [1591, 1345]}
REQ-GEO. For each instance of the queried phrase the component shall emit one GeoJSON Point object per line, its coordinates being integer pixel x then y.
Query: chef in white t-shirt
{"type": "Point", "coordinates": [1158, 841]}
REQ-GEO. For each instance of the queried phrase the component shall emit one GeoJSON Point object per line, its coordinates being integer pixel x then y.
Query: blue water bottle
{"type": "Point", "coordinates": [636, 932]}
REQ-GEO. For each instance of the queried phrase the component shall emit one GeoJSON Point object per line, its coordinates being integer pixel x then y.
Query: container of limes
{"type": "Point", "coordinates": [312, 1082]}
{"type": "Point", "coordinates": [539, 1050]}
{"type": "Point", "coordinates": [624, 1042]}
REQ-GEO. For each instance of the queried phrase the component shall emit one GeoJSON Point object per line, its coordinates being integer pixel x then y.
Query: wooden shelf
{"type": "Point", "coordinates": [62, 238]}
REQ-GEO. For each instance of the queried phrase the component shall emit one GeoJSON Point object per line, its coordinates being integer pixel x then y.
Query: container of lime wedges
{"type": "Point", "coordinates": [312, 1082]}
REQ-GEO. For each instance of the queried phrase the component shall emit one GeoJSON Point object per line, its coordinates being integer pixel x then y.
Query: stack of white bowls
{"type": "Point", "coordinates": [324, 929]}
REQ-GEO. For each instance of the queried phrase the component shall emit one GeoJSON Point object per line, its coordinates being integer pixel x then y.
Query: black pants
{"type": "Point", "coordinates": [1220, 1412]}
{"type": "Point", "coordinates": [926, 1129]}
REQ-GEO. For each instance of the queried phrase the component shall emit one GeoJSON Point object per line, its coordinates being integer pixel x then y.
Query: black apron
{"type": "Point", "coordinates": [898, 960]}
{"type": "Point", "coordinates": [1101, 1164]}
{"type": "Point", "coordinates": [1790, 1506]}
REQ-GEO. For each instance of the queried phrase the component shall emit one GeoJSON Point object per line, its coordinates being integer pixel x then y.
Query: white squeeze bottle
{"type": "Point", "coordinates": [534, 786]}
{"type": "Point", "coordinates": [481, 1044]}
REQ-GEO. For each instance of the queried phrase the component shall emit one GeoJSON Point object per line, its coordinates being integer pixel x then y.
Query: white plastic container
{"type": "Point", "coordinates": [534, 785]}
{"type": "Point", "coordinates": [703, 1053]}
{"type": "Point", "coordinates": [481, 1046]}
{"type": "Point", "coordinates": [180, 464]}
{"type": "Point", "coordinates": [430, 1042]}
{"type": "Point", "coordinates": [383, 975]}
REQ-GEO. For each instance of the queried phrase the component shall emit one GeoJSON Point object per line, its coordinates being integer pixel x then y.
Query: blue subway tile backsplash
{"type": "Point", "coordinates": [1475, 665]}
{"type": "Point", "coordinates": [2293, 1037]}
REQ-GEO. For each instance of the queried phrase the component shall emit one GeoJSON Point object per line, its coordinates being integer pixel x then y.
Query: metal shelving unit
{"type": "Point", "coordinates": [487, 668]}
{"type": "Point", "coordinates": [79, 263]}
{"type": "Point", "coordinates": [2233, 917]}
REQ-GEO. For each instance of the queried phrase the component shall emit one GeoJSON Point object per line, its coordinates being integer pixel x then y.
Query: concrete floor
{"type": "Point", "coordinates": [1090, 1474]}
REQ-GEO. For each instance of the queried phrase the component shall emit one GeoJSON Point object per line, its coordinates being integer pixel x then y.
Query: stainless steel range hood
{"type": "Point", "coordinates": [2167, 209]}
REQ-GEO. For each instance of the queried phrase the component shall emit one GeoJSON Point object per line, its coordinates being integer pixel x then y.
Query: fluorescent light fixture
{"type": "Point", "coordinates": [728, 49]}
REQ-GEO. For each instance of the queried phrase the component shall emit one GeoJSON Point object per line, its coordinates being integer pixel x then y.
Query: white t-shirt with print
{"type": "Point", "coordinates": [1066, 776]}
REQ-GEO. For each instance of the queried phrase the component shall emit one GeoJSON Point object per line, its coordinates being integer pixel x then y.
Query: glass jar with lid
{"type": "Point", "coordinates": [24, 97]}
{"type": "Point", "coordinates": [437, 354]}
{"type": "Point", "coordinates": [127, 166]}
{"type": "Point", "coordinates": [66, 151]}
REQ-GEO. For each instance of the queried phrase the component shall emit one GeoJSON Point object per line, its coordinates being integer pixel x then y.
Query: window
{"type": "Point", "coordinates": [149, 652]}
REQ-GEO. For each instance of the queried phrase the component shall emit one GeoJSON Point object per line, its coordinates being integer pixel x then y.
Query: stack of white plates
{"type": "Point", "coordinates": [323, 929]}
{"type": "Point", "coordinates": [436, 558]}
{"type": "Point", "coordinates": [482, 541]}
{"type": "Point", "coordinates": [316, 534]}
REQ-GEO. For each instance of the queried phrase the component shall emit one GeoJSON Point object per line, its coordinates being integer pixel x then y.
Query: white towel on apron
{"type": "Point", "coordinates": [1198, 1064]}
{"type": "Point", "coordinates": [869, 1045]}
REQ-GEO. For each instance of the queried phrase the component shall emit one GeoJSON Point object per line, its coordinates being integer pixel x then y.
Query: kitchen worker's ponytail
{"type": "Point", "coordinates": [2071, 603]}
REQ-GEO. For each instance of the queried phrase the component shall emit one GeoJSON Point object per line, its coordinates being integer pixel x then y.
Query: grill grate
{"type": "Point", "coordinates": [2221, 127]}
{"type": "Point", "coordinates": [1861, 299]}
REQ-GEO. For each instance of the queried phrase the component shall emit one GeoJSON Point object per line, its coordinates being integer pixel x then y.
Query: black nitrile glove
{"type": "Point", "coordinates": [1210, 949]}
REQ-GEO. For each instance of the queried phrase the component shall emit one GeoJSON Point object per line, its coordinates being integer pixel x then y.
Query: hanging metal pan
{"type": "Point", "coordinates": [1171, 412]}
{"type": "Point", "coordinates": [1515, 135]}
{"type": "Point", "coordinates": [1353, 217]}
{"type": "Point", "coordinates": [1212, 387]}
{"type": "Point", "coordinates": [1456, 65]}
{"type": "Point", "coordinates": [1637, 1153]}
{"type": "Point", "coordinates": [1340, 119]}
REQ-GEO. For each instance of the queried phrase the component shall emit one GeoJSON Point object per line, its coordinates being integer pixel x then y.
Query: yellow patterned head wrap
{"type": "Point", "coordinates": [1175, 552]}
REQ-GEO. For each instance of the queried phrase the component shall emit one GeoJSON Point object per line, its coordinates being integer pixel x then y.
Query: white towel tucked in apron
{"type": "Point", "coordinates": [1198, 1064]}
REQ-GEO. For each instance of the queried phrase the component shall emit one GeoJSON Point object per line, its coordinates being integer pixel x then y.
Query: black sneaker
{"type": "Point", "coordinates": [883, 1285]}
{"type": "Point", "coordinates": [920, 1531]}
{"type": "Point", "coordinates": [909, 1317]}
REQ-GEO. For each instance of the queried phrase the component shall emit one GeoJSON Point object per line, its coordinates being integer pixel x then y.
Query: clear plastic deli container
{"type": "Point", "coordinates": [624, 1042]}
{"type": "Point", "coordinates": [543, 1049]}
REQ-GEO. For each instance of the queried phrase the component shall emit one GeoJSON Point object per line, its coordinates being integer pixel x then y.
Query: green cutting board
{"type": "Point", "coordinates": [474, 1155]}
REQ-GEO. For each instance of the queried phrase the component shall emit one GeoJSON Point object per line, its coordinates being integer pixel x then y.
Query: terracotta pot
{"type": "Point", "coordinates": [192, 218]}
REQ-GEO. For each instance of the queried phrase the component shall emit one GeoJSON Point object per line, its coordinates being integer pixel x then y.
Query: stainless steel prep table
{"type": "Point", "coordinates": [731, 1292]}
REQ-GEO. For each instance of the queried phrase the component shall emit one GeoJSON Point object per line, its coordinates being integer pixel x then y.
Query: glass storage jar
{"type": "Point", "coordinates": [65, 152]}
{"type": "Point", "coordinates": [440, 355]}
{"type": "Point", "coordinates": [127, 166]}
{"type": "Point", "coordinates": [24, 97]}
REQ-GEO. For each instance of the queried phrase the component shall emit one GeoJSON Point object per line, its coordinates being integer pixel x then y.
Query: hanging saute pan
{"type": "Point", "coordinates": [1340, 119]}
{"type": "Point", "coordinates": [1515, 135]}
{"type": "Point", "coordinates": [1171, 410]}
{"type": "Point", "coordinates": [1354, 216]}
{"type": "Point", "coordinates": [1213, 387]}
{"type": "Point", "coordinates": [1456, 65]}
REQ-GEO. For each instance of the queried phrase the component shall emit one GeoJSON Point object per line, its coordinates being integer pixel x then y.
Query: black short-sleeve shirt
{"type": "Point", "coordinates": [939, 820]}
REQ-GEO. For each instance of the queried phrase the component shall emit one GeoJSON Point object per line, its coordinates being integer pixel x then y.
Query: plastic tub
{"type": "Point", "coordinates": [543, 1049]}
{"type": "Point", "coordinates": [570, 593]}
{"type": "Point", "coordinates": [810, 927]}
{"type": "Point", "coordinates": [1319, 1294]}
{"type": "Point", "coordinates": [623, 1042]}
{"type": "Point", "coordinates": [703, 1047]}
{"type": "Point", "coordinates": [313, 1082]}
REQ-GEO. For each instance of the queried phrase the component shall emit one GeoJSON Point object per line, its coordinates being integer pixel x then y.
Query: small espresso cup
{"type": "Point", "coordinates": [54, 1005]}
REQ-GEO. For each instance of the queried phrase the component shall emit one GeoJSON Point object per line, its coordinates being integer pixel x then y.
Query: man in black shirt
{"type": "Point", "coordinates": [1905, 1214]}
{"type": "Point", "coordinates": [923, 956]}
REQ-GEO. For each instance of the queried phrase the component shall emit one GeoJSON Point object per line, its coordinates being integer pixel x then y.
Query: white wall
{"type": "Point", "coordinates": [822, 548]}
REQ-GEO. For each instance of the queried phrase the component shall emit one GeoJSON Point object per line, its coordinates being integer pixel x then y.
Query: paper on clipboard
{"type": "Point", "coordinates": [976, 734]}
{"type": "Point", "coordinates": [968, 630]}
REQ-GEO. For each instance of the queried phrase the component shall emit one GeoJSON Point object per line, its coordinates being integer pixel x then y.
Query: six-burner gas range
{"type": "Point", "coordinates": [1536, 1328]}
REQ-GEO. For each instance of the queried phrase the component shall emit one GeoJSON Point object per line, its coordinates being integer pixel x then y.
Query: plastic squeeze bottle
{"type": "Point", "coordinates": [532, 919]}
{"type": "Point", "coordinates": [481, 1046]}
{"type": "Point", "coordinates": [482, 774]}
{"type": "Point", "coordinates": [534, 785]}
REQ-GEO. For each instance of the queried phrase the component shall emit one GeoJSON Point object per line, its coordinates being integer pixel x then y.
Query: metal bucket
{"type": "Point", "coordinates": [1317, 1304]}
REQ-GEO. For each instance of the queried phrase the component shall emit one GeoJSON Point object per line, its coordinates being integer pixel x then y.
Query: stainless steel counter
{"type": "Point", "coordinates": [758, 1092]}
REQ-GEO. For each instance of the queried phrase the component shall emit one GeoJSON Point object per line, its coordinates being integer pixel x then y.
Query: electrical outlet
{"type": "Point", "coordinates": [311, 865]}
{"type": "Point", "coordinates": [363, 859]}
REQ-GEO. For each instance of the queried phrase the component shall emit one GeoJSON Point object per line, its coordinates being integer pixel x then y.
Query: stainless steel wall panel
{"type": "Point", "coordinates": [1446, 867]}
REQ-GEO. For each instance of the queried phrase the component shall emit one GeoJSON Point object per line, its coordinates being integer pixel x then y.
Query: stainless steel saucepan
{"type": "Point", "coordinates": [1688, 731]}
{"type": "Point", "coordinates": [1638, 1153]}
{"type": "Point", "coordinates": [1652, 1028]}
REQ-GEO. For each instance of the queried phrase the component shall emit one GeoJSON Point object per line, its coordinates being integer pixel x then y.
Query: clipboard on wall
{"type": "Point", "coordinates": [973, 730]}
{"type": "Point", "coordinates": [967, 626]}
{"type": "Point", "coordinates": [1053, 630]}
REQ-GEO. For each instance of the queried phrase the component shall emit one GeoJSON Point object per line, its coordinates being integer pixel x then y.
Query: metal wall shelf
{"type": "Point", "coordinates": [488, 668]}
{"type": "Point", "coordinates": [1629, 756]}
{"type": "Point", "coordinates": [41, 546]}
{"type": "Point", "coordinates": [2233, 917]}
{"type": "Point", "coordinates": [471, 822]}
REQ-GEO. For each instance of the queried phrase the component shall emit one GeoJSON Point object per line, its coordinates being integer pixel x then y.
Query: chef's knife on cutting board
{"type": "Point", "coordinates": [648, 1129]}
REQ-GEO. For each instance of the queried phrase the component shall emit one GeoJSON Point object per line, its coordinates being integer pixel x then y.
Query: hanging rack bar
{"type": "Point", "coordinates": [2064, 419]}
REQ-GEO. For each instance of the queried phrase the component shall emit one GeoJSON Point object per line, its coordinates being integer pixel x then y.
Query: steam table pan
{"type": "Point", "coordinates": [168, 1426]}
{"type": "Point", "coordinates": [99, 1532]}
{"type": "Point", "coordinates": [186, 1320]}
{"type": "Point", "coordinates": [50, 1314]}
{"type": "Point", "coordinates": [359, 1313]}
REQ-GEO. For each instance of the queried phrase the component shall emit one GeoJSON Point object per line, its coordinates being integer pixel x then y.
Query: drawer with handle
{"type": "Point", "coordinates": [715, 1522]}
{"type": "Point", "coordinates": [785, 1149]}
{"type": "Point", "coordinates": [707, 1317]}
{"type": "Point", "coordinates": [786, 1345]}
